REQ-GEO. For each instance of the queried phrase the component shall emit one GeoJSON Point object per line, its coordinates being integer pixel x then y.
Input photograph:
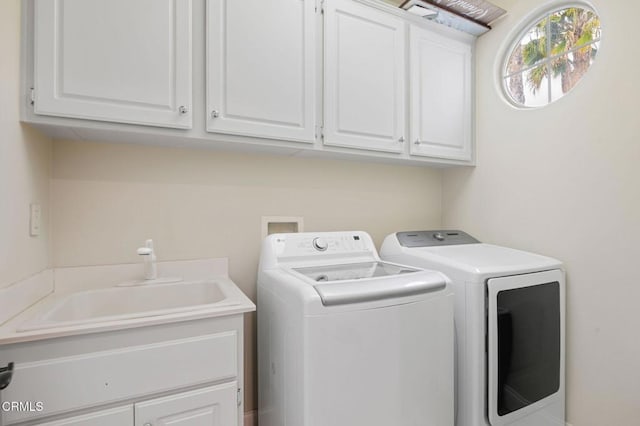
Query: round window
{"type": "Point", "coordinates": [549, 58]}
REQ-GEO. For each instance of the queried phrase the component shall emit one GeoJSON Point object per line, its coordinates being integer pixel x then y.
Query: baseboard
{"type": "Point", "coordinates": [251, 418]}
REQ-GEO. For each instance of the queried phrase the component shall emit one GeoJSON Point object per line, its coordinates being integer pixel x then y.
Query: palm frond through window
{"type": "Point", "coordinates": [552, 56]}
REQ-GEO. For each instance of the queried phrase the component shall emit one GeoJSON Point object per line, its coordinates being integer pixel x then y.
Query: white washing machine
{"type": "Point", "coordinates": [347, 340]}
{"type": "Point", "coordinates": [509, 322]}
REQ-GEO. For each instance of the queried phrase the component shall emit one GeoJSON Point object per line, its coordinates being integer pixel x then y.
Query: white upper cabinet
{"type": "Point", "coordinates": [261, 68]}
{"type": "Point", "coordinates": [440, 91]}
{"type": "Point", "coordinates": [118, 60]}
{"type": "Point", "coordinates": [328, 77]}
{"type": "Point", "coordinates": [364, 77]}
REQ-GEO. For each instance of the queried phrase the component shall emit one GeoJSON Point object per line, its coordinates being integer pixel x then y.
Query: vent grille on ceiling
{"type": "Point", "coordinates": [470, 16]}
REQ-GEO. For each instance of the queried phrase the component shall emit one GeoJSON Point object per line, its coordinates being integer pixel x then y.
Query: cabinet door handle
{"type": "Point", "coordinates": [215, 114]}
{"type": "Point", "coordinates": [183, 109]}
{"type": "Point", "coordinates": [401, 139]}
{"type": "Point", "coordinates": [6, 374]}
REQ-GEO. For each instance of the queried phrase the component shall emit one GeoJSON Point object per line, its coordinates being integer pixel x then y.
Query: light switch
{"type": "Point", "coordinates": [35, 220]}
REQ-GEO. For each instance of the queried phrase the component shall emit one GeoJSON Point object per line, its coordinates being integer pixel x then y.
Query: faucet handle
{"type": "Point", "coordinates": [147, 249]}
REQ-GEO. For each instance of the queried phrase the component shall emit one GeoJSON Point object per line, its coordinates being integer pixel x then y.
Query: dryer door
{"type": "Point", "coordinates": [525, 347]}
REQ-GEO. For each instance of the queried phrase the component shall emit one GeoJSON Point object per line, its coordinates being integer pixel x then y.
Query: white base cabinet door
{"type": "Point", "coordinates": [440, 90]}
{"type": "Point", "coordinates": [121, 416]}
{"type": "Point", "coordinates": [364, 83]}
{"type": "Point", "coordinates": [126, 61]}
{"type": "Point", "coordinates": [261, 76]}
{"type": "Point", "coordinates": [212, 406]}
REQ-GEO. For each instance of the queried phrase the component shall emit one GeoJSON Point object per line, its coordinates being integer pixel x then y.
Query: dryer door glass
{"type": "Point", "coordinates": [528, 321]}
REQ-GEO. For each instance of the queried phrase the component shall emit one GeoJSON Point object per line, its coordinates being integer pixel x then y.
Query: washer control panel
{"type": "Point", "coordinates": [322, 243]}
{"type": "Point", "coordinates": [434, 238]}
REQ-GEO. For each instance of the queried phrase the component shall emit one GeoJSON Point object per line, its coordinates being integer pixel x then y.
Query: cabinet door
{"type": "Point", "coordinates": [212, 406]}
{"type": "Point", "coordinates": [126, 61]}
{"type": "Point", "coordinates": [440, 88]}
{"type": "Point", "coordinates": [121, 416]}
{"type": "Point", "coordinates": [364, 79]}
{"type": "Point", "coordinates": [261, 68]}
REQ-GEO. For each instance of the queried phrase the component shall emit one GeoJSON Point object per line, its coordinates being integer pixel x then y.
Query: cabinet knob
{"type": "Point", "coordinates": [418, 141]}
{"type": "Point", "coordinates": [147, 424]}
{"type": "Point", "coordinates": [183, 109]}
{"type": "Point", "coordinates": [215, 114]}
{"type": "Point", "coordinates": [401, 140]}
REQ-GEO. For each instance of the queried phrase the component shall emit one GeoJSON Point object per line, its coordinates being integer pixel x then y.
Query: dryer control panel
{"type": "Point", "coordinates": [434, 238]}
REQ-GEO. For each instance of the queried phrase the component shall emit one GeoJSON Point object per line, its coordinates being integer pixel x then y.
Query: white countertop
{"type": "Point", "coordinates": [71, 280]}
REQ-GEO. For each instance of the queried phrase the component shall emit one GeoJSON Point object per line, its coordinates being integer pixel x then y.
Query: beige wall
{"type": "Point", "coordinates": [560, 181]}
{"type": "Point", "coordinates": [108, 198]}
{"type": "Point", "coordinates": [563, 181]}
{"type": "Point", "coordinates": [25, 158]}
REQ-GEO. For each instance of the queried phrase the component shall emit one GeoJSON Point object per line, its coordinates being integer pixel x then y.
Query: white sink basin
{"type": "Point", "coordinates": [118, 303]}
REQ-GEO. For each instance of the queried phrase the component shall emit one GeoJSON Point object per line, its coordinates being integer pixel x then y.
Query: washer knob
{"type": "Point", "coordinates": [320, 244]}
{"type": "Point", "coordinates": [439, 236]}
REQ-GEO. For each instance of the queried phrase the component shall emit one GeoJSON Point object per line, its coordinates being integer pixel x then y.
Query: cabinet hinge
{"type": "Point", "coordinates": [239, 397]}
{"type": "Point", "coordinates": [32, 96]}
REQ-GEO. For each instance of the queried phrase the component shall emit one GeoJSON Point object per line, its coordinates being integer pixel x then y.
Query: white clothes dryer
{"type": "Point", "coordinates": [509, 324]}
{"type": "Point", "coordinates": [347, 340]}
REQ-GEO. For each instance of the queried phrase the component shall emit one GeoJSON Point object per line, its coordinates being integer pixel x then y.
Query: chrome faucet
{"type": "Point", "coordinates": [150, 268]}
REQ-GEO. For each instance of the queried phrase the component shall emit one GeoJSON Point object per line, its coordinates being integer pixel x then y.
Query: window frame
{"type": "Point", "coordinates": [515, 38]}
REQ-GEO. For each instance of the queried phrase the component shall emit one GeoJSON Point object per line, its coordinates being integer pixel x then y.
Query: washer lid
{"type": "Point", "coordinates": [353, 271]}
{"type": "Point", "coordinates": [368, 281]}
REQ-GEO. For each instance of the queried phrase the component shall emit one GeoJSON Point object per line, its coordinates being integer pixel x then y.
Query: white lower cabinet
{"type": "Point", "coordinates": [185, 374]}
{"type": "Point", "coordinates": [212, 406]}
{"type": "Point", "coordinates": [121, 416]}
